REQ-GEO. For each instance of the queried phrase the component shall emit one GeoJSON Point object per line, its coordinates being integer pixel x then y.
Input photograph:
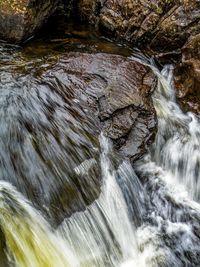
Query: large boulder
{"type": "Point", "coordinates": [187, 76]}
{"type": "Point", "coordinates": [20, 18]}
{"type": "Point", "coordinates": [118, 91]}
{"type": "Point", "coordinates": [161, 25]}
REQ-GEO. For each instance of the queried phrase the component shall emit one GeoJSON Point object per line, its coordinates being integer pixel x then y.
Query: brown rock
{"type": "Point", "coordinates": [177, 26]}
{"type": "Point", "coordinates": [118, 91]}
{"type": "Point", "coordinates": [20, 18]}
{"type": "Point", "coordinates": [187, 76]}
{"type": "Point", "coordinates": [161, 25]}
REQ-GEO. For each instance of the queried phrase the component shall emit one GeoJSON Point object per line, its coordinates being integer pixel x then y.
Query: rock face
{"type": "Point", "coordinates": [118, 91]}
{"type": "Point", "coordinates": [187, 76]}
{"type": "Point", "coordinates": [20, 18]}
{"type": "Point", "coordinates": [162, 25]}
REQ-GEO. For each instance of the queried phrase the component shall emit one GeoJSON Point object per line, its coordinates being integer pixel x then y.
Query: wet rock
{"type": "Point", "coordinates": [118, 92]}
{"type": "Point", "coordinates": [160, 25]}
{"type": "Point", "coordinates": [187, 76]}
{"type": "Point", "coordinates": [20, 18]}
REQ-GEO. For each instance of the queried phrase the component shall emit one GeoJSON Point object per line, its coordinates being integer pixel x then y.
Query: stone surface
{"type": "Point", "coordinates": [20, 18]}
{"type": "Point", "coordinates": [118, 91]}
{"type": "Point", "coordinates": [187, 76]}
{"type": "Point", "coordinates": [162, 25]}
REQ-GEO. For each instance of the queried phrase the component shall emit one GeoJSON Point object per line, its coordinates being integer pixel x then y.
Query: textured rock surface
{"type": "Point", "coordinates": [163, 25]}
{"type": "Point", "coordinates": [20, 18]}
{"type": "Point", "coordinates": [187, 76]}
{"type": "Point", "coordinates": [118, 91]}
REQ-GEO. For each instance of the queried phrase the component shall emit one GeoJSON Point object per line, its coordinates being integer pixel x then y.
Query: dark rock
{"type": "Point", "coordinates": [187, 76]}
{"type": "Point", "coordinates": [162, 25]}
{"type": "Point", "coordinates": [20, 18]}
{"type": "Point", "coordinates": [118, 91]}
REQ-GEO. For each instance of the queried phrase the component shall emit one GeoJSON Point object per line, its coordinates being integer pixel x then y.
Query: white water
{"type": "Point", "coordinates": [103, 235]}
{"type": "Point", "coordinates": [171, 172]}
{"type": "Point", "coordinates": [176, 150]}
{"type": "Point", "coordinates": [177, 145]}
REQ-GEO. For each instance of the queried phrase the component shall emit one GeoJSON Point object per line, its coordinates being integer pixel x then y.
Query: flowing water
{"type": "Point", "coordinates": [66, 198]}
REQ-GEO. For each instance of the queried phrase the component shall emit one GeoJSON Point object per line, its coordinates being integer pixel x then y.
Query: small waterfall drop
{"type": "Point", "coordinates": [170, 173]}
{"type": "Point", "coordinates": [104, 235]}
{"type": "Point", "coordinates": [177, 144]}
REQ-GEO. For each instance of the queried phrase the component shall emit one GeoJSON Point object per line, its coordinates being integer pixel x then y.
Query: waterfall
{"type": "Point", "coordinates": [102, 235]}
{"type": "Point", "coordinates": [153, 221]}
{"type": "Point", "coordinates": [170, 172]}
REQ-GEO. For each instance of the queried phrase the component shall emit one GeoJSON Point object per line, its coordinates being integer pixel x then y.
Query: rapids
{"type": "Point", "coordinates": [147, 222]}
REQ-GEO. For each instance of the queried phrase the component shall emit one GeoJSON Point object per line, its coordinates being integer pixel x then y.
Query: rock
{"type": "Point", "coordinates": [118, 91]}
{"type": "Point", "coordinates": [161, 25]}
{"type": "Point", "coordinates": [187, 76]}
{"type": "Point", "coordinates": [20, 18]}
{"type": "Point", "coordinates": [4, 260]}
